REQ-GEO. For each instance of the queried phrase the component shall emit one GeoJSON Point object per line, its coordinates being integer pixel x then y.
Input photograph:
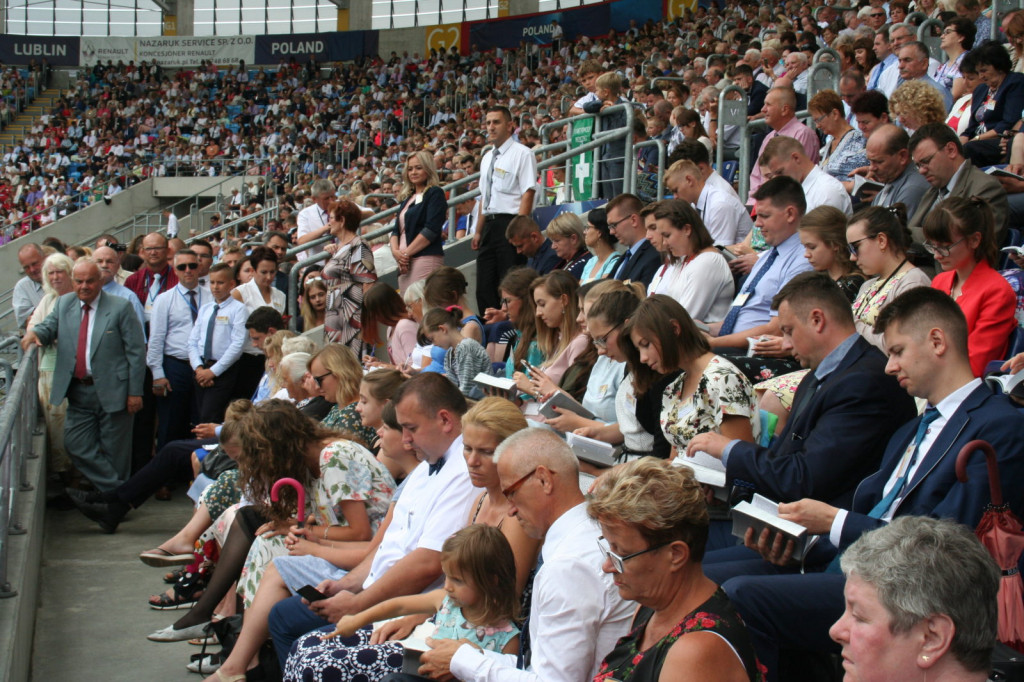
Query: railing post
{"type": "Point", "coordinates": [734, 112]}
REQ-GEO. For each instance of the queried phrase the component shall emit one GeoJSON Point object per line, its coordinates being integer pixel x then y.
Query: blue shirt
{"type": "Point", "coordinates": [171, 325]}
{"type": "Point", "coordinates": [229, 335]}
{"type": "Point", "coordinates": [115, 289]}
{"type": "Point", "coordinates": [789, 263]}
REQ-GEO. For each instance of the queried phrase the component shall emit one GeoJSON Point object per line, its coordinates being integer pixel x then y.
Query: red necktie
{"type": "Point", "coordinates": [83, 344]}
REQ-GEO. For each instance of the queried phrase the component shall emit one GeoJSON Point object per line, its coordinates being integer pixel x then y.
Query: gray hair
{"type": "Point", "coordinates": [753, 54]}
{"type": "Point", "coordinates": [414, 292]}
{"type": "Point", "coordinates": [541, 447]}
{"type": "Point", "coordinates": [293, 366]}
{"type": "Point", "coordinates": [56, 261]}
{"type": "Point", "coordinates": [898, 26]}
{"type": "Point", "coordinates": [321, 187]}
{"type": "Point", "coordinates": [922, 567]}
{"type": "Point", "coordinates": [298, 344]}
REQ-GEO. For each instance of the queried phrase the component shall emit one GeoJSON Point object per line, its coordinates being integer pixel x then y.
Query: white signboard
{"type": "Point", "coordinates": [168, 51]}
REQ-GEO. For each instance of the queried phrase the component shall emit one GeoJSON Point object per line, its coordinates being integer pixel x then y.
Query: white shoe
{"type": "Point", "coordinates": [169, 634]}
{"type": "Point", "coordinates": [205, 666]}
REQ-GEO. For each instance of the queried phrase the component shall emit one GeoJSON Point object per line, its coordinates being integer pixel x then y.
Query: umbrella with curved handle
{"type": "Point", "coordinates": [299, 490]}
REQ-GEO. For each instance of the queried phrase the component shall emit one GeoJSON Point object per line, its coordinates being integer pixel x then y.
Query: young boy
{"type": "Point", "coordinates": [215, 346]}
{"type": "Point", "coordinates": [608, 88]}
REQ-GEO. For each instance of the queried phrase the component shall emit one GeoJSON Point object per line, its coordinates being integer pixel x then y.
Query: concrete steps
{"type": "Point", "coordinates": [16, 131]}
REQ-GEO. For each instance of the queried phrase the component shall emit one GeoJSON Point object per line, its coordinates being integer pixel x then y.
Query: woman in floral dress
{"type": "Point", "coordinates": [349, 272]}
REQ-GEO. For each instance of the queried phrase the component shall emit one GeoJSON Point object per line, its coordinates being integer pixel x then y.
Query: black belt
{"type": "Point", "coordinates": [494, 216]}
{"type": "Point", "coordinates": [171, 357]}
{"type": "Point", "coordinates": [84, 381]}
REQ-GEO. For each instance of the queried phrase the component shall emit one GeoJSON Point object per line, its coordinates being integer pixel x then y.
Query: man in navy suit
{"type": "Point", "coordinates": [843, 412]}
{"type": "Point", "coordinates": [641, 260]}
{"type": "Point", "coordinates": [926, 337]}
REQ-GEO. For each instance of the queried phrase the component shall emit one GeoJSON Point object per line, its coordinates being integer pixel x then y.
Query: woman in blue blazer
{"type": "Point", "coordinates": [417, 243]}
{"type": "Point", "coordinates": [995, 105]}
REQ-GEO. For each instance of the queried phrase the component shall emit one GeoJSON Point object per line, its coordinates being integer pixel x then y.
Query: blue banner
{"type": "Point", "coordinates": [545, 214]}
{"type": "Point", "coordinates": [21, 50]}
{"type": "Point", "coordinates": [337, 46]}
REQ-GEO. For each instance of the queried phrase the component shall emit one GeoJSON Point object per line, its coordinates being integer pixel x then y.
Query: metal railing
{"type": "Point", "coordinates": [18, 421]}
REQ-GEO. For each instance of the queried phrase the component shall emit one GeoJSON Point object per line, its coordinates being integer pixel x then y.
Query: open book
{"type": "Point", "coordinates": [566, 402]}
{"type": "Point", "coordinates": [707, 470]}
{"type": "Point", "coordinates": [487, 381]}
{"type": "Point", "coordinates": [1016, 250]}
{"type": "Point", "coordinates": [591, 450]}
{"type": "Point", "coordinates": [1006, 383]}
{"type": "Point", "coordinates": [1002, 172]}
{"type": "Point", "coordinates": [414, 645]}
{"type": "Point", "coordinates": [761, 513]}
{"type": "Point", "coordinates": [862, 185]}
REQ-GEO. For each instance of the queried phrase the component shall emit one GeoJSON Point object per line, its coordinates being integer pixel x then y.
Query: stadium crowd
{"type": "Point", "coordinates": [822, 343]}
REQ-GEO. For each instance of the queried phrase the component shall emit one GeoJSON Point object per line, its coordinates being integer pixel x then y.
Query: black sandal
{"type": "Point", "coordinates": [186, 592]}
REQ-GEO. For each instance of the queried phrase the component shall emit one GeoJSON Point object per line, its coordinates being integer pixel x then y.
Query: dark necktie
{"type": "Point", "coordinates": [621, 271]}
{"type": "Point", "coordinates": [490, 178]}
{"type": "Point", "coordinates": [208, 346]}
{"type": "Point", "coordinates": [83, 345]}
{"type": "Point", "coordinates": [435, 467]}
{"type": "Point", "coordinates": [729, 324]}
{"type": "Point", "coordinates": [813, 383]}
{"type": "Point", "coordinates": [192, 307]}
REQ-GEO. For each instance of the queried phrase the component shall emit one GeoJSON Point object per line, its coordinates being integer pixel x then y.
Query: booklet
{"type": "Point", "coordinates": [591, 450]}
{"type": "Point", "coordinates": [494, 382]}
{"type": "Point", "coordinates": [1006, 383]}
{"type": "Point", "coordinates": [707, 470]}
{"type": "Point", "coordinates": [414, 645]}
{"type": "Point", "coordinates": [566, 402]}
{"type": "Point", "coordinates": [1002, 172]}
{"type": "Point", "coordinates": [861, 185]}
{"type": "Point", "coordinates": [761, 513]}
{"type": "Point", "coordinates": [1016, 250]}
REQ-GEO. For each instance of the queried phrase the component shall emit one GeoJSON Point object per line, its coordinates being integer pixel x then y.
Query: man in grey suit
{"type": "Point", "coordinates": [939, 156]}
{"type": "Point", "coordinates": [889, 160]}
{"type": "Point", "coordinates": [101, 360]}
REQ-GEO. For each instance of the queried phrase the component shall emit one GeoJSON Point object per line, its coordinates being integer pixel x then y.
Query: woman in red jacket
{"type": "Point", "coordinates": [960, 234]}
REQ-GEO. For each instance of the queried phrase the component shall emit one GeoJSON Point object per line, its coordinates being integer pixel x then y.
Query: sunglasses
{"type": "Point", "coordinates": [855, 245]}
{"type": "Point", "coordinates": [182, 267]}
{"type": "Point", "coordinates": [510, 491]}
{"type": "Point", "coordinates": [320, 379]}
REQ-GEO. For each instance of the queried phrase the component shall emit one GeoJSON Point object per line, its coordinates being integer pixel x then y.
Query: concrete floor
{"type": "Point", "coordinates": [93, 618]}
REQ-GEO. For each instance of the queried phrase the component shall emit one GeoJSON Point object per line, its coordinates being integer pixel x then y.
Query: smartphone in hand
{"type": "Point", "coordinates": [311, 594]}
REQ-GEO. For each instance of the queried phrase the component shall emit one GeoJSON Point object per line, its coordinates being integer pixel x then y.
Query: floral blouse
{"type": "Point", "coordinates": [347, 419]}
{"type": "Point", "coordinates": [722, 391]}
{"type": "Point", "coordinates": [849, 154]}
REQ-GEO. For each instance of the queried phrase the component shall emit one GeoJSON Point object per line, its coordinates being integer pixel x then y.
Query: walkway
{"type": "Point", "coordinates": [93, 619]}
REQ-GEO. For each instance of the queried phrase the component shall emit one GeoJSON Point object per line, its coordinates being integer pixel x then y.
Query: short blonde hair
{"type": "Point", "coordinates": [566, 225]}
{"type": "Point", "coordinates": [920, 100]}
{"type": "Point", "coordinates": [497, 415]}
{"type": "Point", "coordinates": [610, 81]}
{"type": "Point", "coordinates": [663, 502]}
{"type": "Point", "coordinates": [341, 361]}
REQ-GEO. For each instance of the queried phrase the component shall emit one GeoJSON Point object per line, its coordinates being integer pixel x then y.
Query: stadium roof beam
{"type": "Point", "coordinates": [341, 4]}
{"type": "Point", "coordinates": [168, 6]}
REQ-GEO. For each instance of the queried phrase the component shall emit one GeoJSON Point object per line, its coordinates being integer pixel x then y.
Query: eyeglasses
{"type": "Point", "coordinates": [320, 379]}
{"type": "Point", "coordinates": [941, 251]}
{"type": "Point", "coordinates": [618, 562]}
{"type": "Point", "coordinates": [874, 15]}
{"type": "Point", "coordinates": [924, 162]}
{"type": "Point", "coordinates": [154, 248]}
{"type": "Point", "coordinates": [612, 226]}
{"type": "Point", "coordinates": [855, 245]}
{"type": "Point", "coordinates": [505, 302]}
{"type": "Point", "coordinates": [602, 341]}
{"type": "Point", "coordinates": [514, 488]}
{"type": "Point", "coordinates": [947, 31]}
{"type": "Point", "coordinates": [819, 119]}
{"type": "Point", "coordinates": [182, 267]}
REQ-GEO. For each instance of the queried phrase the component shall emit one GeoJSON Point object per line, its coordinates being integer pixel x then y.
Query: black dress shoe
{"type": "Point", "coordinates": [107, 515]}
{"type": "Point", "coordinates": [60, 502]}
{"type": "Point", "coordinates": [86, 497]}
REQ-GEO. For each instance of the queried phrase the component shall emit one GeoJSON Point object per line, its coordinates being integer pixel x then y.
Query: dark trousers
{"type": "Point", "coordinates": [98, 442]}
{"type": "Point", "coordinates": [250, 370]}
{"type": "Point", "coordinates": [211, 402]}
{"type": "Point", "coordinates": [172, 464]}
{"type": "Point", "coordinates": [144, 426]}
{"type": "Point", "coordinates": [494, 258]}
{"type": "Point", "coordinates": [289, 620]}
{"type": "Point", "coordinates": [174, 408]}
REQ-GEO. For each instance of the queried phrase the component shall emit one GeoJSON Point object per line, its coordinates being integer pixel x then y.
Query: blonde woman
{"type": "Point", "coordinates": [56, 282]}
{"type": "Point", "coordinates": [566, 235]}
{"type": "Point", "coordinates": [559, 336]}
{"type": "Point", "coordinates": [916, 103]}
{"type": "Point", "coordinates": [417, 243]}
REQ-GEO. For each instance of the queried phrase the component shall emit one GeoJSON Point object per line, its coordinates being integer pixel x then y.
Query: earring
{"type": "Point", "coordinates": [925, 658]}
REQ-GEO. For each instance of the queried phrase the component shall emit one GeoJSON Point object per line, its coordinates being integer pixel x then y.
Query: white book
{"type": "Point", "coordinates": [566, 402]}
{"type": "Point", "coordinates": [761, 513]}
{"type": "Point", "coordinates": [1005, 383]}
{"type": "Point", "coordinates": [591, 450]}
{"type": "Point", "coordinates": [861, 185]}
{"type": "Point", "coordinates": [1016, 250]}
{"type": "Point", "coordinates": [707, 470]}
{"type": "Point", "coordinates": [495, 382]}
{"type": "Point", "coordinates": [1002, 172]}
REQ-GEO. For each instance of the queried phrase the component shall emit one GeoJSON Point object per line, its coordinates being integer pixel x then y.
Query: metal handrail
{"type": "Point", "coordinates": [17, 426]}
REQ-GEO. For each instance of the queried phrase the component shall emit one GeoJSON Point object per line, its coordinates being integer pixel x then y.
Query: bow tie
{"type": "Point", "coordinates": [435, 467]}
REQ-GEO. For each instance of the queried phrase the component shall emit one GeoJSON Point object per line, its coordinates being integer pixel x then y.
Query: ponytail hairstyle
{"type": "Point", "coordinates": [966, 217]}
{"type": "Point", "coordinates": [614, 308]}
{"type": "Point", "coordinates": [888, 220]}
{"type": "Point", "coordinates": [444, 287]}
{"type": "Point", "coordinates": [435, 317]}
{"type": "Point", "coordinates": [382, 383]}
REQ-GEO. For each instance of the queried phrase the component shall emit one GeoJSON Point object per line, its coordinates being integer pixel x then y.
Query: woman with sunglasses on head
{"type": "Point", "coordinates": [878, 240]}
{"type": "Point", "coordinates": [960, 234]}
{"type": "Point", "coordinates": [336, 374]}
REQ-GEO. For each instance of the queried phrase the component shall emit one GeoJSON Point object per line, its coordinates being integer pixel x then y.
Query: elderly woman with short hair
{"type": "Point", "coordinates": [56, 282]}
{"type": "Point", "coordinates": [566, 234]}
{"type": "Point", "coordinates": [654, 525]}
{"type": "Point", "coordinates": [920, 602]}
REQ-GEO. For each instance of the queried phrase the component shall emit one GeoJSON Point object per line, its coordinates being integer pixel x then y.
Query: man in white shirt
{"type": "Point", "coordinates": [785, 156]}
{"type": "Point", "coordinates": [172, 224]}
{"type": "Point", "coordinates": [174, 315]}
{"type": "Point", "coordinates": [576, 613]}
{"type": "Point", "coordinates": [508, 183]}
{"type": "Point", "coordinates": [29, 289]}
{"type": "Point", "coordinates": [435, 503]}
{"type": "Point", "coordinates": [312, 222]}
{"type": "Point", "coordinates": [725, 217]}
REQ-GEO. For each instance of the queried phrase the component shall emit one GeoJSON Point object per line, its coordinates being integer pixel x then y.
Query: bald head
{"type": "Point", "coordinates": [87, 280]}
